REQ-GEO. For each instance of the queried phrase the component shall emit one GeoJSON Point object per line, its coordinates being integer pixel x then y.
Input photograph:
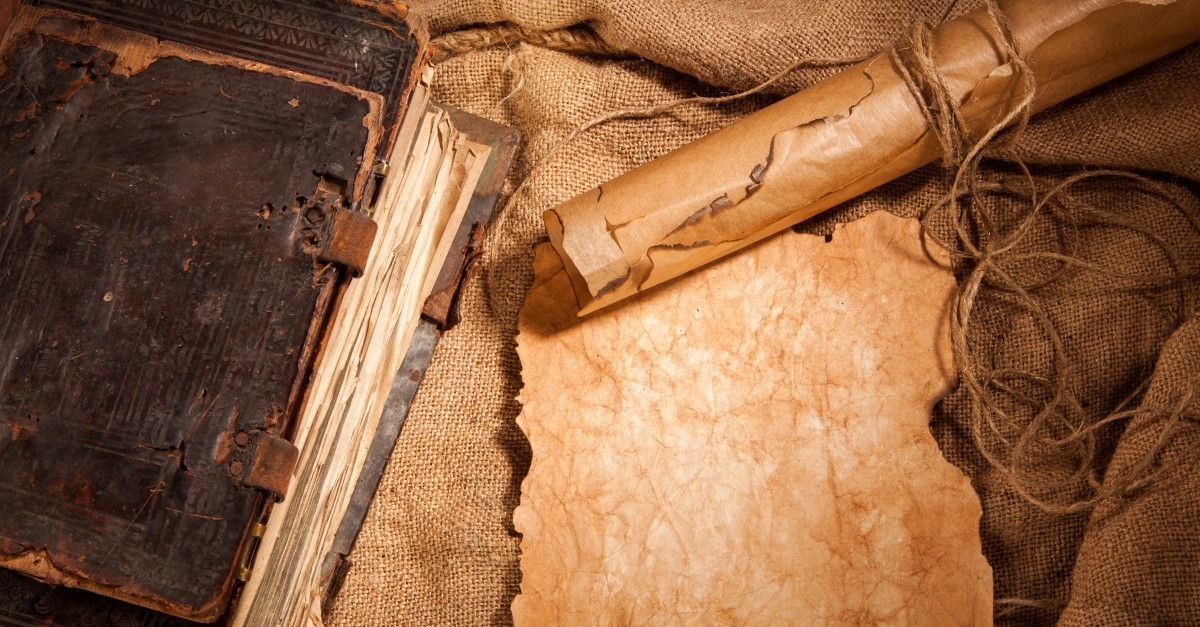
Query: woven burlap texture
{"type": "Point", "coordinates": [438, 547]}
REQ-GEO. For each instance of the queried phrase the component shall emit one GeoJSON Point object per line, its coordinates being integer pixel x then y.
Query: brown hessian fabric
{"type": "Point", "coordinates": [438, 546]}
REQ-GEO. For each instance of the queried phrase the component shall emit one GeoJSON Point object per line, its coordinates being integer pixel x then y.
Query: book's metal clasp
{"type": "Point", "coordinates": [249, 550]}
{"type": "Point", "coordinates": [349, 242]}
{"type": "Point", "coordinates": [270, 461]}
{"type": "Point", "coordinates": [269, 465]}
{"type": "Point", "coordinates": [334, 233]}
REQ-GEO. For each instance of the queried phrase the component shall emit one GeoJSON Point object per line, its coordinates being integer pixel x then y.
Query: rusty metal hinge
{"type": "Point", "coordinates": [267, 464]}
{"type": "Point", "coordinates": [332, 232]}
{"type": "Point", "coordinates": [245, 565]}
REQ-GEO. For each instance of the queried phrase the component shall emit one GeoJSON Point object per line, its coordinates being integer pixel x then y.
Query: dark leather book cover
{"type": "Point", "coordinates": [178, 191]}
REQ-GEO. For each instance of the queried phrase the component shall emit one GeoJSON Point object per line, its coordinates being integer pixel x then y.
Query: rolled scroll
{"type": "Point", "coordinates": [844, 136]}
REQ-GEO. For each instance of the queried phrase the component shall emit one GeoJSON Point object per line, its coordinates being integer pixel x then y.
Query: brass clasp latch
{"type": "Point", "coordinates": [249, 550]}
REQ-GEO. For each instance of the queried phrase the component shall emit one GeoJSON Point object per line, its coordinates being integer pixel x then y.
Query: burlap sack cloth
{"type": "Point", "coordinates": [438, 547]}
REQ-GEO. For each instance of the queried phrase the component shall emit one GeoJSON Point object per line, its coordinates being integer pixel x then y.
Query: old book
{"type": "Point", "coordinates": [438, 314]}
{"type": "Point", "coordinates": [378, 346]}
{"type": "Point", "coordinates": [187, 190]}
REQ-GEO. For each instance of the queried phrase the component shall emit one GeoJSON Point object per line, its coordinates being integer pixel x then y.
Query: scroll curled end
{"type": "Point", "coordinates": [551, 303]}
{"type": "Point", "coordinates": [769, 171]}
{"type": "Point", "coordinates": [588, 252]}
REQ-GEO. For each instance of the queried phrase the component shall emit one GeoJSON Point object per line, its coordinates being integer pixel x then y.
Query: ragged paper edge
{"type": "Point", "coordinates": [543, 325]}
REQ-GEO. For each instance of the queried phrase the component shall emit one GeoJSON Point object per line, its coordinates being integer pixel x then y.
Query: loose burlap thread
{"type": "Point", "coordinates": [438, 545]}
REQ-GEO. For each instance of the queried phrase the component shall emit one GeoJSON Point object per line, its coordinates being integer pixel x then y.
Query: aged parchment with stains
{"type": "Point", "coordinates": [750, 446]}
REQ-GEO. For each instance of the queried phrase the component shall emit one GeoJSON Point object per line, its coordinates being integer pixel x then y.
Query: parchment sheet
{"type": "Point", "coordinates": [751, 446]}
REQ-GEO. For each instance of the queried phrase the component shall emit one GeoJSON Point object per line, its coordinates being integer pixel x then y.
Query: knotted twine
{"type": "Point", "coordinates": [992, 261]}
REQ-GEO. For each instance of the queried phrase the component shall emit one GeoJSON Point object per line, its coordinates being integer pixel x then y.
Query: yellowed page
{"type": "Point", "coordinates": [751, 446]}
{"type": "Point", "coordinates": [434, 171]}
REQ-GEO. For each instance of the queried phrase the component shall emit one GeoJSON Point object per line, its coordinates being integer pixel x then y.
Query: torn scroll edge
{"type": "Point", "coordinates": [843, 136]}
{"type": "Point", "coordinates": [751, 446]}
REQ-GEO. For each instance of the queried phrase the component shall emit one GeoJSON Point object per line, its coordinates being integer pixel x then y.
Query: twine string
{"type": "Point", "coordinates": [1030, 425]}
